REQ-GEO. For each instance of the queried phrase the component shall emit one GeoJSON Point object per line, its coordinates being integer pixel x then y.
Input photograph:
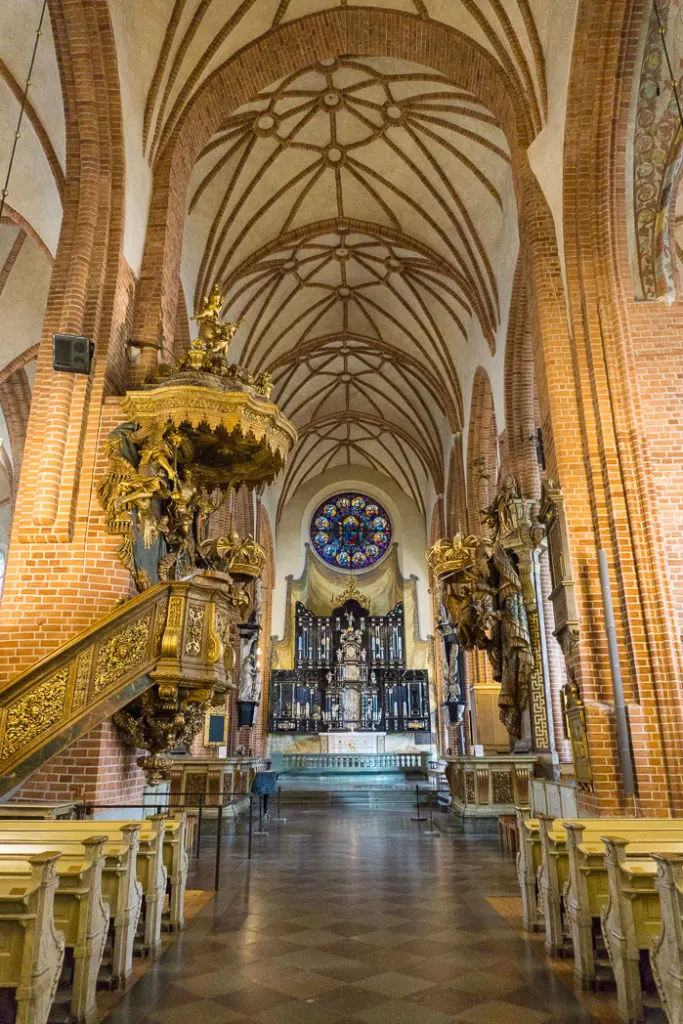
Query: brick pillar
{"type": "Point", "coordinates": [63, 572]}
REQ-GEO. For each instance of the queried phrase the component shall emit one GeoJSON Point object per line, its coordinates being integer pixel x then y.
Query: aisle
{"type": "Point", "coordinates": [355, 918]}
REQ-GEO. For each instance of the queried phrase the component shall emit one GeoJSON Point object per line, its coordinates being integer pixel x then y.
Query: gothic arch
{"type": "Point", "coordinates": [482, 450]}
{"type": "Point", "coordinates": [456, 504]}
{"type": "Point", "coordinates": [520, 389]}
{"type": "Point", "coordinates": [296, 45]}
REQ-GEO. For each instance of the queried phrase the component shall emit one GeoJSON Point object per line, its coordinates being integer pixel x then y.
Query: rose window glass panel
{"type": "Point", "coordinates": [351, 531]}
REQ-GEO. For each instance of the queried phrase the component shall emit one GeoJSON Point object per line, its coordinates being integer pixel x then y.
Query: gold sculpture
{"type": "Point", "coordinates": [195, 433]}
{"type": "Point", "coordinates": [484, 597]}
{"type": "Point", "coordinates": [198, 431]}
{"type": "Point", "coordinates": [351, 593]}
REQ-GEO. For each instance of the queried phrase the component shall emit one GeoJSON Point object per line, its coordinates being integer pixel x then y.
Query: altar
{"type": "Point", "coordinates": [352, 743]}
{"type": "Point", "coordinates": [349, 684]}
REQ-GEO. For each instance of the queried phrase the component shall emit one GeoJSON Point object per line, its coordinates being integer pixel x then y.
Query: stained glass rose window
{"type": "Point", "coordinates": [350, 531]}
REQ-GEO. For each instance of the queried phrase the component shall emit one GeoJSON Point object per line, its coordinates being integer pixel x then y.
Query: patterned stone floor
{"type": "Point", "coordinates": [351, 916]}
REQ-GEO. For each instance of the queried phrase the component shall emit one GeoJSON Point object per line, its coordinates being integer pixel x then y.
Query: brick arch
{"type": "Point", "coordinates": [298, 44]}
{"type": "Point", "coordinates": [520, 388]}
{"type": "Point", "coordinates": [56, 516]}
{"type": "Point", "coordinates": [482, 450]}
{"type": "Point", "coordinates": [81, 296]}
{"type": "Point", "coordinates": [456, 501]}
{"type": "Point", "coordinates": [437, 526]}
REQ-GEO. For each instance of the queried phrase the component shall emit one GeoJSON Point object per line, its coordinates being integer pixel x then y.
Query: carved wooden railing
{"type": "Point", "coordinates": [174, 635]}
{"type": "Point", "coordinates": [353, 762]}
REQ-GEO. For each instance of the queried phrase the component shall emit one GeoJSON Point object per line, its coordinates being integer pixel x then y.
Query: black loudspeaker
{"type": "Point", "coordinates": [72, 353]}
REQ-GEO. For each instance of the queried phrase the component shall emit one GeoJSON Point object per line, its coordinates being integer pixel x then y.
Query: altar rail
{"type": "Point", "coordinates": [351, 762]}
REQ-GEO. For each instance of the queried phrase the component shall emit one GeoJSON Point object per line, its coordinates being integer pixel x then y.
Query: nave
{"type": "Point", "coordinates": [350, 915]}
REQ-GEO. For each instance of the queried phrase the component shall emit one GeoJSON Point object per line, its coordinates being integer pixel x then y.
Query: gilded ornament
{"type": "Point", "coordinates": [501, 784]}
{"type": "Point", "coordinates": [83, 670]}
{"type": "Point", "coordinates": [488, 607]}
{"type": "Point", "coordinates": [193, 629]}
{"type": "Point", "coordinates": [36, 712]}
{"type": "Point", "coordinates": [196, 432]}
{"type": "Point", "coordinates": [121, 653]}
{"type": "Point", "coordinates": [351, 593]}
{"type": "Point", "coordinates": [214, 646]}
{"type": "Point", "coordinates": [174, 622]}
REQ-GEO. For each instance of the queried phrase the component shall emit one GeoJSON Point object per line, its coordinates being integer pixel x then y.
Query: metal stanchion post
{"type": "Point", "coordinates": [260, 831]}
{"type": "Point", "coordinates": [251, 823]}
{"type": "Point", "coordinates": [431, 831]}
{"type": "Point", "coordinates": [418, 816]}
{"type": "Point", "coordinates": [199, 824]}
{"type": "Point", "coordinates": [219, 841]}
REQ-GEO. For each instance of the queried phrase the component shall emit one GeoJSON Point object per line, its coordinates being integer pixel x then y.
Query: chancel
{"type": "Point", "coordinates": [341, 511]}
{"type": "Point", "coordinates": [349, 674]}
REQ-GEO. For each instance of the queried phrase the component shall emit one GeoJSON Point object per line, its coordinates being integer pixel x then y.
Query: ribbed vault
{"type": "Point", "coordinates": [354, 213]}
{"type": "Point", "coordinates": [200, 35]}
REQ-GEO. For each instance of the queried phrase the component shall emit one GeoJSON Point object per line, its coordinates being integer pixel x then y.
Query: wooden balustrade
{"type": "Point", "coordinates": [215, 779]}
{"type": "Point", "coordinates": [488, 787]}
{"type": "Point", "coordinates": [353, 762]}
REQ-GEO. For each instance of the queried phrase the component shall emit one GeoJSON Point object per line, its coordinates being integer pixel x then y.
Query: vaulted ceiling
{"type": "Point", "coordinates": [356, 213]}
{"type": "Point", "coordinates": [359, 212]}
{"type": "Point", "coordinates": [200, 35]}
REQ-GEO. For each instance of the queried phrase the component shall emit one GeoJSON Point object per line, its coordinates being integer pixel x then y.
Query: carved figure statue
{"type": "Point", "coordinates": [499, 516]}
{"type": "Point", "coordinates": [249, 686]}
{"type": "Point", "coordinates": [483, 597]}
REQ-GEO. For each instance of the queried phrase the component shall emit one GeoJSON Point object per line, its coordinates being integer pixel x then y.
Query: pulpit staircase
{"type": "Point", "coordinates": [173, 637]}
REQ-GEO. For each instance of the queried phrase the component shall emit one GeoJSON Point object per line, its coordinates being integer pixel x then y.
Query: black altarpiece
{"type": "Point", "coordinates": [349, 674]}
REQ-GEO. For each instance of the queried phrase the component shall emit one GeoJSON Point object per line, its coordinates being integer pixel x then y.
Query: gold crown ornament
{"type": "Point", "coordinates": [453, 554]}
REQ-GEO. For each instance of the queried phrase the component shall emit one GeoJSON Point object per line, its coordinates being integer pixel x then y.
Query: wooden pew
{"type": "Point", "coordinates": [587, 890]}
{"type": "Point", "coordinates": [31, 948]}
{"type": "Point", "coordinates": [666, 950]}
{"type": "Point", "coordinates": [80, 913]}
{"type": "Point", "coordinates": [528, 863]}
{"type": "Point", "coordinates": [120, 887]}
{"type": "Point", "coordinates": [151, 871]}
{"type": "Point", "coordinates": [630, 921]}
{"type": "Point", "coordinates": [553, 874]}
{"type": "Point", "coordinates": [175, 859]}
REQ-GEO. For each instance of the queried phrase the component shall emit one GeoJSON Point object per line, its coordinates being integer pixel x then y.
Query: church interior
{"type": "Point", "coordinates": [341, 511]}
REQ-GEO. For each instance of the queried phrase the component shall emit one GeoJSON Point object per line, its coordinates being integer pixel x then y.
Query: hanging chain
{"type": "Point", "coordinates": [17, 134]}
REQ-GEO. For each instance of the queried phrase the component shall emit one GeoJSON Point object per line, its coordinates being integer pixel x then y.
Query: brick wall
{"type": "Point", "coordinates": [98, 768]}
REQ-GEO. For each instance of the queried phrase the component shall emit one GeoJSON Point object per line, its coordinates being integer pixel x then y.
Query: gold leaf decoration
{"type": "Point", "coordinates": [122, 652]}
{"type": "Point", "coordinates": [37, 711]}
{"type": "Point", "coordinates": [82, 679]}
{"type": "Point", "coordinates": [193, 630]}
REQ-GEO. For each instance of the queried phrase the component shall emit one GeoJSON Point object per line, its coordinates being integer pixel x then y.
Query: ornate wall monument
{"type": "Point", "coordinates": [489, 593]}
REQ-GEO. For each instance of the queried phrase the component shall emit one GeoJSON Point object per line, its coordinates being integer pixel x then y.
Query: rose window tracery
{"type": "Point", "coordinates": [351, 531]}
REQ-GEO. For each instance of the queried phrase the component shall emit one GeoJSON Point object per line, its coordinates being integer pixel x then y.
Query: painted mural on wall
{"type": "Point", "coordinates": [350, 531]}
{"type": "Point", "coordinates": [657, 151]}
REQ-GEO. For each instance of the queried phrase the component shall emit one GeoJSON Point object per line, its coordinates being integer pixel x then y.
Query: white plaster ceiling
{"type": "Point", "coordinates": [34, 188]}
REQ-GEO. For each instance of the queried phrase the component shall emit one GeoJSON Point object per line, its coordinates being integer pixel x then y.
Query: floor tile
{"type": "Point", "coordinates": [352, 917]}
{"type": "Point", "coordinates": [394, 984]}
{"type": "Point", "coordinates": [496, 1012]}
